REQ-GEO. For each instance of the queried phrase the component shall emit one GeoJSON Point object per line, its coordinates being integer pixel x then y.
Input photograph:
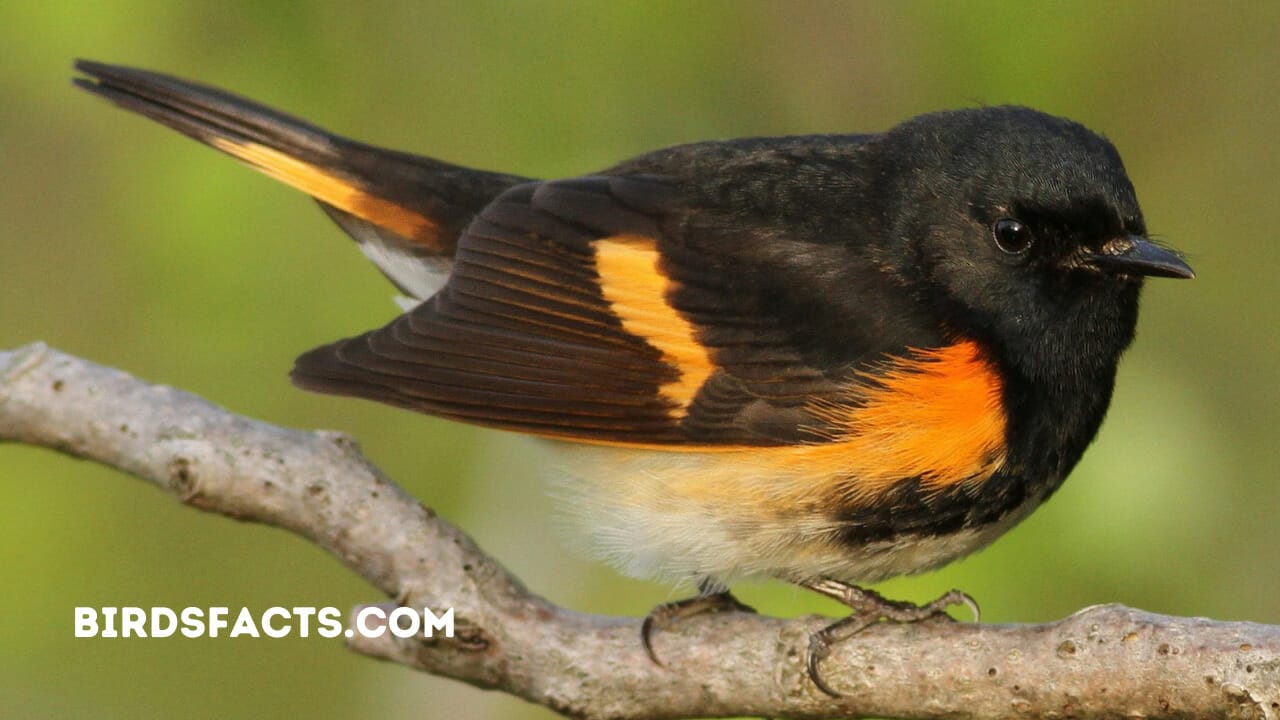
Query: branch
{"type": "Point", "coordinates": [1105, 661]}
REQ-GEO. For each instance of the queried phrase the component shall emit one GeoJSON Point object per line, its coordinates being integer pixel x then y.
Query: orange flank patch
{"type": "Point", "coordinates": [936, 415]}
{"type": "Point", "coordinates": [636, 290]}
{"type": "Point", "coordinates": [332, 189]}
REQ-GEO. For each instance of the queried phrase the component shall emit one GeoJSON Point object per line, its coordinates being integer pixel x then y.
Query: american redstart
{"type": "Point", "coordinates": [828, 359]}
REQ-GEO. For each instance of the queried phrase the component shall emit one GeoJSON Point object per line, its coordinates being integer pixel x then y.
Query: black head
{"type": "Point", "coordinates": [1022, 227]}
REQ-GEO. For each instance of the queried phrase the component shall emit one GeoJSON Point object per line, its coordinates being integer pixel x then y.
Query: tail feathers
{"type": "Point", "coordinates": [406, 211]}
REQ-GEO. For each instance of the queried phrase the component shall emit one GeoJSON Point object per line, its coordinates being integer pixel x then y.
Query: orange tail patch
{"type": "Point", "coordinates": [332, 189]}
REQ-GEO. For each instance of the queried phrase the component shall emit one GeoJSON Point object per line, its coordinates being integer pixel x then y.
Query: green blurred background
{"type": "Point", "coordinates": [134, 247]}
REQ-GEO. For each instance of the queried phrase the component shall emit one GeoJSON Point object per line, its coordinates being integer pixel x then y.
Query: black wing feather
{"type": "Point", "coordinates": [523, 338]}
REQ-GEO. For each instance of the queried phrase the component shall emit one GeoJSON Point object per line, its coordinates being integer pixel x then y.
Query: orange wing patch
{"type": "Point", "coordinates": [332, 189]}
{"type": "Point", "coordinates": [937, 415]}
{"type": "Point", "coordinates": [636, 289]}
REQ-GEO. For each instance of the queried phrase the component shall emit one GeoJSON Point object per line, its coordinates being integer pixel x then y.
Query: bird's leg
{"type": "Point", "coordinates": [712, 597]}
{"type": "Point", "coordinates": [869, 608]}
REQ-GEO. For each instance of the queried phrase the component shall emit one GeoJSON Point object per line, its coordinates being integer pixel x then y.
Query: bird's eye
{"type": "Point", "coordinates": [1012, 236]}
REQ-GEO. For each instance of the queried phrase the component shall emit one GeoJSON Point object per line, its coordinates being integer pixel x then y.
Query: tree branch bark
{"type": "Point", "coordinates": [1105, 661]}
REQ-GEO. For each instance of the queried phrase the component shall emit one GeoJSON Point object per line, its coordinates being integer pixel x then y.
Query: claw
{"type": "Point", "coordinates": [646, 636]}
{"type": "Point", "coordinates": [667, 614]}
{"type": "Point", "coordinates": [819, 648]}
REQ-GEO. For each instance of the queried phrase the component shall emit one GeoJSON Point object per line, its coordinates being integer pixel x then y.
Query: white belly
{"type": "Point", "coordinates": [682, 516]}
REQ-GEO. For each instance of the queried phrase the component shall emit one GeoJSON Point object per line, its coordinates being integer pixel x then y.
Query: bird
{"type": "Point", "coordinates": [825, 359]}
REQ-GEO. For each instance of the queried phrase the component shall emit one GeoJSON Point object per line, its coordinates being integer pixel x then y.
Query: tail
{"type": "Point", "coordinates": [406, 211]}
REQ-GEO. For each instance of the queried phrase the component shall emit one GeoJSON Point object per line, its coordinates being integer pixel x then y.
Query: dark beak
{"type": "Point", "coordinates": [1134, 255]}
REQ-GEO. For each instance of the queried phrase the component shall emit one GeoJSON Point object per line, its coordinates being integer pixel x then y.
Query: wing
{"type": "Point", "coordinates": [576, 310]}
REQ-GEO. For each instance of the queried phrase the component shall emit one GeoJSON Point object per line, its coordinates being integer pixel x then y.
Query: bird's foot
{"type": "Point", "coordinates": [870, 608]}
{"type": "Point", "coordinates": [667, 614]}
